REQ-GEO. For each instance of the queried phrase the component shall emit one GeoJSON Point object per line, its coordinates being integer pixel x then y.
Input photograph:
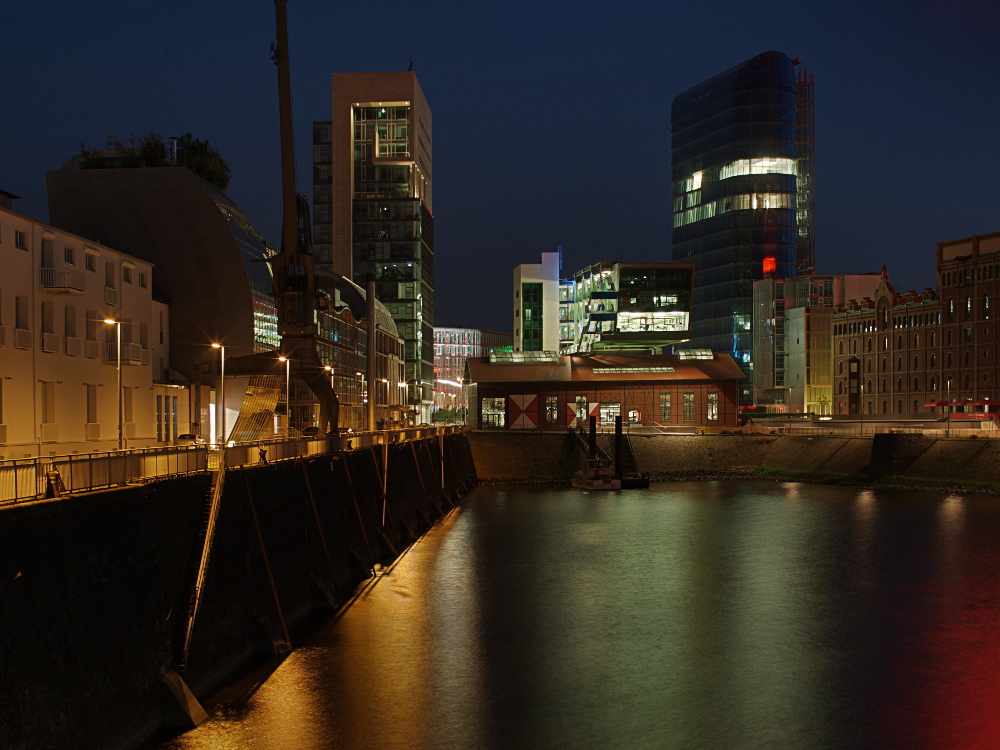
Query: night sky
{"type": "Point", "coordinates": [551, 120]}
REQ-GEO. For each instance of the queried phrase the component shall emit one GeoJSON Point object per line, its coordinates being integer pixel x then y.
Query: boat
{"type": "Point", "coordinates": [597, 474]}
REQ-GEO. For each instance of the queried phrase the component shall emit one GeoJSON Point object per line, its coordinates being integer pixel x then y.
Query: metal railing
{"type": "Point", "coordinates": [30, 478]}
{"type": "Point", "coordinates": [45, 476]}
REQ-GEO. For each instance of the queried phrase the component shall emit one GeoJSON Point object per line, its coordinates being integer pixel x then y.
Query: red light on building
{"type": "Point", "coordinates": [770, 266]}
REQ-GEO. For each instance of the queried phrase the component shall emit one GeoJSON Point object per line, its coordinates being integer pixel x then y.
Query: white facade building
{"type": "Point", "coordinates": [536, 305]}
{"type": "Point", "coordinates": [58, 357]}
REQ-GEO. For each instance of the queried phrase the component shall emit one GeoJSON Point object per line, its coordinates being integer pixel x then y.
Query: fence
{"type": "Point", "coordinates": [29, 478]}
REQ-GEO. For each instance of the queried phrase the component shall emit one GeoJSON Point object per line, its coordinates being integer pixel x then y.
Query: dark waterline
{"type": "Point", "coordinates": [692, 615]}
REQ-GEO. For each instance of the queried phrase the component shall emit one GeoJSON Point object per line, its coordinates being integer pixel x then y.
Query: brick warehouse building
{"type": "Point", "coordinates": [920, 354]}
{"type": "Point", "coordinates": [537, 390]}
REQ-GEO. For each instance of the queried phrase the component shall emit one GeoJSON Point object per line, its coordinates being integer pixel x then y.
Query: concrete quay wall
{"type": "Point", "coordinates": [95, 589]}
{"type": "Point", "coordinates": [960, 462]}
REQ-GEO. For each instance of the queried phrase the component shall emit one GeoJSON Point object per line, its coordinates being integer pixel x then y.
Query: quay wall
{"type": "Point", "coordinates": [95, 588]}
{"type": "Point", "coordinates": [511, 456]}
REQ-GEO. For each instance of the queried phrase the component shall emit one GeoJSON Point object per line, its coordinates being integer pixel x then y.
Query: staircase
{"type": "Point", "coordinates": [581, 440]}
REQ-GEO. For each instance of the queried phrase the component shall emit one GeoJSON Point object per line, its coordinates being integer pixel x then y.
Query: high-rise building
{"type": "Point", "coordinates": [372, 192]}
{"type": "Point", "coordinates": [741, 160]}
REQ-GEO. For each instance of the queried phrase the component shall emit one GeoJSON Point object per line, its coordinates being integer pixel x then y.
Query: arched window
{"type": "Point", "coordinates": [869, 344]}
{"type": "Point", "coordinates": [854, 346]}
{"type": "Point", "coordinates": [986, 377]}
{"type": "Point", "coordinates": [916, 406]}
{"type": "Point", "coordinates": [899, 406]}
{"type": "Point", "coordinates": [951, 338]}
{"type": "Point", "coordinates": [869, 364]}
{"type": "Point", "coordinates": [986, 307]}
{"type": "Point", "coordinates": [899, 344]}
{"type": "Point", "coordinates": [949, 359]}
{"type": "Point", "coordinates": [899, 363]}
{"type": "Point", "coordinates": [968, 358]}
{"type": "Point", "coordinates": [933, 384]}
{"type": "Point", "coordinates": [841, 349]}
{"type": "Point", "coordinates": [968, 382]}
{"type": "Point", "coordinates": [899, 385]}
{"type": "Point", "coordinates": [934, 338]}
{"type": "Point", "coordinates": [916, 362]}
{"type": "Point", "coordinates": [916, 384]}
{"type": "Point", "coordinates": [868, 387]}
{"type": "Point", "coordinates": [951, 310]}
{"type": "Point", "coordinates": [869, 407]}
{"type": "Point", "coordinates": [840, 387]}
{"type": "Point", "coordinates": [916, 339]}
{"type": "Point", "coordinates": [885, 364]}
{"type": "Point", "coordinates": [986, 355]}
{"type": "Point", "coordinates": [968, 308]}
{"type": "Point", "coordinates": [885, 407]}
{"type": "Point", "coordinates": [884, 388]}
{"type": "Point", "coordinates": [933, 360]}
{"type": "Point", "coordinates": [840, 368]}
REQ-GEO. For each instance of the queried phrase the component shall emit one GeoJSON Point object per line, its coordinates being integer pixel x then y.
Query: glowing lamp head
{"type": "Point", "coordinates": [216, 346]}
{"type": "Point", "coordinates": [110, 321]}
{"type": "Point", "coordinates": [282, 359]}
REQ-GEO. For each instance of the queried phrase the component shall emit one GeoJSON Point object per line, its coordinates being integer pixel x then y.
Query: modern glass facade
{"type": "Point", "coordinates": [735, 160]}
{"type": "Point", "coordinates": [372, 193]}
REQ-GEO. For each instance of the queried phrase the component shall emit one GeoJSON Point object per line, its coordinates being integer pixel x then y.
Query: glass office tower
{"type": "Point", "coordinates": [735, 155]}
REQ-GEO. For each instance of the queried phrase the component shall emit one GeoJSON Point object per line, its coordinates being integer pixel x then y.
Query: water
{"type": "Point", "coordinates": [692, 615]}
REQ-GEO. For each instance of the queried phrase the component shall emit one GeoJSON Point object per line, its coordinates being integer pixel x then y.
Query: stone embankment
{"type": "Point", "coordinates": [885, 460]}
{"type": "Point", "coordinates": [95, 589]}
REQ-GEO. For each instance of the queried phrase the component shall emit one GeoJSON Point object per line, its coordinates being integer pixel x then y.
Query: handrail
{"type": "Point", "coordinates": [26, 479]}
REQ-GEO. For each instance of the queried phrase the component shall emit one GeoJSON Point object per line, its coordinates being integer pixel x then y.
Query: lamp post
{"type": "Point", "coordinates": [364, 401]}
{"type": "Point", "coordinates": [861, 406]}
{"type": "Point", "coordinates": [222, 391]}
{"type": "Point", "coordinates": [288, 401]}
{"type": "Point", "coordinates": [947, 424]}
{"type": "Point", "coordinates": [118, 352]}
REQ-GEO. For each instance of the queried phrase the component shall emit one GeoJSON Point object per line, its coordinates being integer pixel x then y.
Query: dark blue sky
{"type": "Point", "coordinates": [551, 120]}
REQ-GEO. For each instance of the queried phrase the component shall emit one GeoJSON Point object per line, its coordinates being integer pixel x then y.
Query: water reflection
{"type": "Point", "coordinates": [715, 615]}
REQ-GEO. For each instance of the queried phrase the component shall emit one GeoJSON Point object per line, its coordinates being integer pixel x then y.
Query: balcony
{"type": "Point", "coordinates": [69, 281]}
{"type": "Point", "coordinates": [110, 295]}
{"type": "Point", "coordinates": [93, 349]}
{"type": "Point", "coordinates": [132, 354]}
{"type": "Point", "coordinates": [74, 346]}
{"type": "Point", "coordinates": [50, 342]}
{"type": "Point", "coordinates": [22, 338]}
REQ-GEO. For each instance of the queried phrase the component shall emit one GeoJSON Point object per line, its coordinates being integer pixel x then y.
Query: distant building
{"type": "Point", "coordinates": [536, 390]}
{"type": "Point", "coordinates": [59, 359]}
{"type": "Point", "coordinates": [212, 268]}
{"type": "Point", "coordinates": [373, 206]}
{"type": "Point", "coordinates": [630, 306]}
{"type": "Point", "coordinates": [452, 347]}
{"type": "Point", "coordinates": [536, 304]}
{"type": "Point", "coordinates": [605, 306]}
{"type": "Point", "coordinates": [792, 338]}
{"type": "Point", "coordinates": [742, 177]}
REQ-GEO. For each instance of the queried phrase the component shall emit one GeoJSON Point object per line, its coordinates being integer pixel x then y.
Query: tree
{"type": "Point", "coordinates": [149, 150]}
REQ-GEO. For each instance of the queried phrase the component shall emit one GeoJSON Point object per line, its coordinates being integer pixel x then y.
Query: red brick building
{"type": "Point", "coordinates": [928, 353]}
{"type": "Point", "coordinates": [532, 390]}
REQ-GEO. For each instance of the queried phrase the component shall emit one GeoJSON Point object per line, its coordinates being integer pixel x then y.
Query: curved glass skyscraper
{"type": "Point", "coordinates": [736, 158]}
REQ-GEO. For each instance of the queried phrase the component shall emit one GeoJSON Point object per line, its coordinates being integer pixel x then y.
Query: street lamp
{"type": "Point", "coordinates": [947, 424]}
{"type": "Point", "coordinates": [861, 407]}
{"type": "Point", "coordinates": [222, 390]}
{"type": "Point", "coordinates": [118, 351]}
{"type": "Point", "coordinates": [288, 401]}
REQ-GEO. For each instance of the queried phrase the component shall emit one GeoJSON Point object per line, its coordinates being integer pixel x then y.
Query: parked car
{"type": "Point", "coordinates": [189, 439]}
